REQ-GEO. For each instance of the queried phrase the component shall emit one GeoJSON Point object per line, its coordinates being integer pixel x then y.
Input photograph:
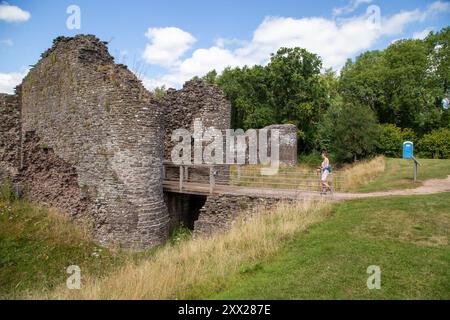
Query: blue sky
{"type": "Point", "coordinates": [168, 42]}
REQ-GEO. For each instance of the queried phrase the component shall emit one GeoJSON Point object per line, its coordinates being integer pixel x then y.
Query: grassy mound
{"type": "Point", "coordinates": [37, 245]}
{"type": "Point", "coordinates": [399, 175]}
{"type": "Point", "coordinates": [407, 237]}
{"type": "Point", "coordinates": [194, 268]}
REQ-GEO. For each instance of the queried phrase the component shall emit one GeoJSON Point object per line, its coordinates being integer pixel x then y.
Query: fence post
{"type": "Point", "coordinates": [212, 181]}
{"type": "Point", "coordinates": [181, 178]}
{"type": "Point", "coordinates": [186, 175]}
{"type": "Point", "coordinates": [416, 167]}
{"type": "Point", "coordinates": [319, 173]}
{"type": "Point", "coordinates": [238, 173]}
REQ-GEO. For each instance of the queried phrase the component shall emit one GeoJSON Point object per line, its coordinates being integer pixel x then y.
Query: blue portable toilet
{"type": "Point", "coordinates": [408, 150]}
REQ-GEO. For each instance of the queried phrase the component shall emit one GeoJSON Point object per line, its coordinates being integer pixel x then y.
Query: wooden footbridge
{"type": "Point", "coordinates": [247, 180]}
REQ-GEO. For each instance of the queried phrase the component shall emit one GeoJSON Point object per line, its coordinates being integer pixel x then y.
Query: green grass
{"type": "Point", "coordinates": [408, 237]}
{"type": "Point", "coordinates": [399, 174]}
{"type": "Point", "coordinates": [37, 246]}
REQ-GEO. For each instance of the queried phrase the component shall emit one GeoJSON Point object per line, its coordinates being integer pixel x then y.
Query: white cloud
{"type": "Point", "coordinates": [167, 45]}
{"type": "Point", "coordinates": [222, 42]}
{"type": "Point", "coordinates": [8, 81]}
{"type": "Point", "coordinates": [422, 34]}
{"type": "Point", "coordinates": [438, 6]}
{"type": "Point", "coordinates": [11, 13]}
{"type": "Point", "coordinates": [332, 39]}
{"type": "Point", "coordinates": [6, 42]}
{"type": "Point", "coordinates": [350, 7]}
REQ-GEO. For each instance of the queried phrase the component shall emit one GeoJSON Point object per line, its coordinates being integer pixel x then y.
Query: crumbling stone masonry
{"type": "Point", "coordinates": [288, 143]}
{"type": "Point", "coordinates": [91, 142]}
{"type": "Point", "coordinates": [220, 211]}
{"type": "Point", "coordinates": [197, 100]}
{"type": "Point", "coordinates": [9, 136]}
{"type": "Point", "coordinates": [83, 135]}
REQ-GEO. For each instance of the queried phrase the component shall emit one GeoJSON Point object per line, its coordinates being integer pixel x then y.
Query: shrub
{"type": "Point", "coordinates": [392, 138]}
{"type": "Point", "coordinates": [355, 133]}
{"type": "Point", "coordinates": [7, 193]}
{"type": "Point", "coordinates": [390, 143]}
{"type": "Point", "coordinates": [314, 158]}
{"type": "Point", "coordinates": [436, 144]}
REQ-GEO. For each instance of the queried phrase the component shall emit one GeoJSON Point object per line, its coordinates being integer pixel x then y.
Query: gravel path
{"type": "Point", "coordinates": [428, 187]}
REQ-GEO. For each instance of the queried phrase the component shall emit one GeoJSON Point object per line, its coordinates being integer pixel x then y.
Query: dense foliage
{"type": "Point", "coordinates": [436, 144]}
{"type": "Point", "coordinates": [379, 100]}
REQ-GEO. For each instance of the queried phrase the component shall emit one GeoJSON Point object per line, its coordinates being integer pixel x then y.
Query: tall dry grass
{"type": "Point", "coordinates": [201, 266]}
{"type": "Point", "coordinates": [361, 173]}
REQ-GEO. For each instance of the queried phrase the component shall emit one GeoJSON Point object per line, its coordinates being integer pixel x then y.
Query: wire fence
{"type": "Point", "coordinates": [286, 177]}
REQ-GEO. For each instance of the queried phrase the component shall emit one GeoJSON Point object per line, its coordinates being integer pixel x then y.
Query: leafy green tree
{"type": "Point", "coordinates": [408, 85]}
{"type": "Point", "coordinates": [363, 82]}
{"type": "Point", "coordinates": [355, 133]}
{"type": "Point", "coordinates": [211, 77]}
{"type": "Point", "coordinates": [391, 139]}
{"type": "Point", "coordinates": [439, 45]}
{"type": "Point", "coordinates": [404, 84]}
{"type": "Point", "coordinates": [250, 96]}
{"type": "Point", "coordinates": [299, 96]}
{"type": "Point", "coordinates": [436, 144]}
{"type": "Point", "coordinates": [325, 129]}
{"type": "Point", "coordinates": [400, 87]}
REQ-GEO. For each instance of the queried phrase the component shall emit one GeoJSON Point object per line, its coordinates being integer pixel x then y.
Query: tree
{"type": "Point", "coordinates": [290, 89]}
{"type": "Point", "coordinates": [404, 84]}
{"type": "Point", "coordinates": [436, 144]}
{"type": "Point", "coordinates": [354, 134]}
{"type": "Point", "coordinates": [211, 77]}
{"type": "Point", "coordinates": [250, 96]}
{"type": "Point", "coordinates": [439, 47]}
{"type": "Point", "coordinates": [299, 96]}
{"type": "Point", "coordinates": [408, 86]}
{"type": "Point", "coordinates": [363, 82]}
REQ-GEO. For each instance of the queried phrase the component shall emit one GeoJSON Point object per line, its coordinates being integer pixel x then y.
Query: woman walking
{"type": "Point", "coordinates": [325, 170]}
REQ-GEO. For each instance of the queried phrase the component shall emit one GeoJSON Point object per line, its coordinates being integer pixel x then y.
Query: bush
{"type": "Point", "coordinates": [355, 133]}
{"type": "Point", "coordinates": [180, 234]}
{"type": "Point", "coordinates": [436, 144]}
{"type": "Point", "coordinates": [7, 193]}
{"type": "Point", "coordinates": [392, 138]}
{"type": "Point", "coordinates": [314, 158]}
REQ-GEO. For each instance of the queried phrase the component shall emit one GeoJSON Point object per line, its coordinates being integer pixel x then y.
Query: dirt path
{"type": "Point", "coordinates": [428, 187]}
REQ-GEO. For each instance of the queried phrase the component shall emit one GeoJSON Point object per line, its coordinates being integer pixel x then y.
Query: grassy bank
{"type": "Point", "coordinates": [362, 173]}
{"type": "Point", "coordinates": [398, 174]}
{"type": "Point", "coordinates": [408, 237]}
{"type": "Point", "coordinates": [305, 250]}
{"type": "Point", "coordinates": [37, 245]}
{"type": "Point", "coordinates": [199, 267]}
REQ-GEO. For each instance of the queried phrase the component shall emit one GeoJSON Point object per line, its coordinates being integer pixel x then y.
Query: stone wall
{"type": "Point", "coordinates": [93, 142]}
{"type": "Point", "coordinates": [9, 136]}
{"type": "Point", "coordinates": [196, 100]}
{"type": "Point", "coordinates": [220, 211]}
{"type": "Point", "coordinates": [288, 143]}
{"type": "Point", "coordinates": [82, 134]}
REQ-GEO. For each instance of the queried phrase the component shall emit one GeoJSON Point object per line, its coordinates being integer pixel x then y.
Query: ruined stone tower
{"type": "Point", "coordinates": [91, 142]}
{"type": "Point", "coordinates": [83, 135]}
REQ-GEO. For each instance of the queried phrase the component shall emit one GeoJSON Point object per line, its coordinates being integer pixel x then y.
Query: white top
{"type": "Point", "coordinates": [325, 163]}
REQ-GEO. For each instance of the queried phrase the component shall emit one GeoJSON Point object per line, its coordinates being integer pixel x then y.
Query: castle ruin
{"type": "Point", "coordinates": [82, 134]}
